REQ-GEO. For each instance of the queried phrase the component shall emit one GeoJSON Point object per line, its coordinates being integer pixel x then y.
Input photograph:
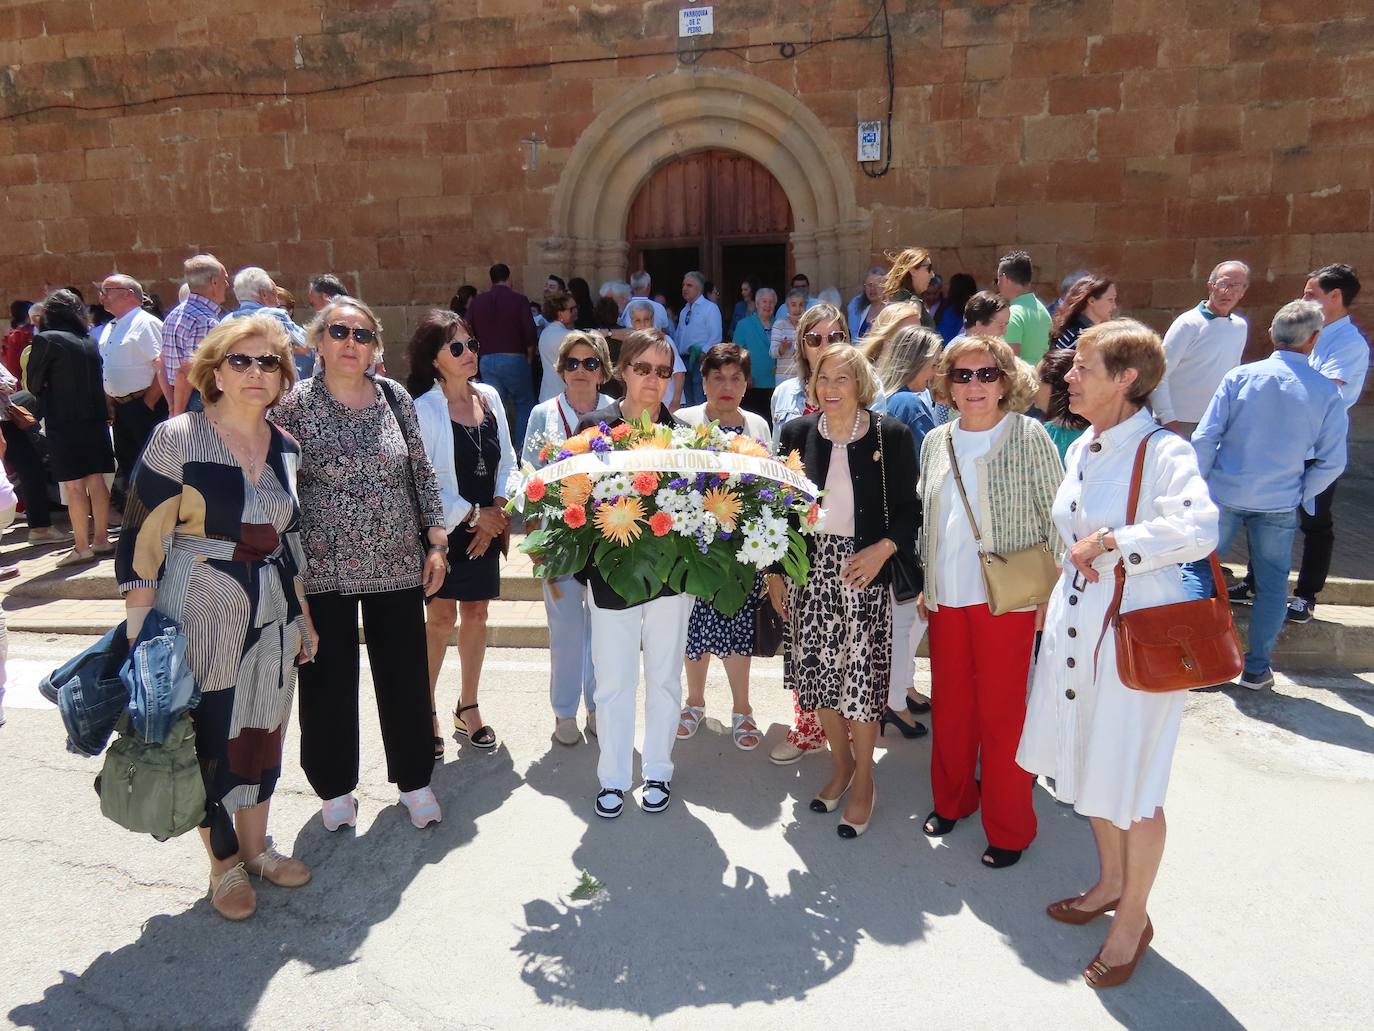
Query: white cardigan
{"type": "Point", "coordinates": [754, 424]}
{"type": "Point", "coordinates": [436, 428]}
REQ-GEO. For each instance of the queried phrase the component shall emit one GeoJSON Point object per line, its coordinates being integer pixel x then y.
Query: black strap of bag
{"type": "Point", "coordinates": [906, 584]}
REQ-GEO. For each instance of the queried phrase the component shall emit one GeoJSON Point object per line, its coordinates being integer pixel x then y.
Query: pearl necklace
{"type": "Point", "coordinates": [853, 433]}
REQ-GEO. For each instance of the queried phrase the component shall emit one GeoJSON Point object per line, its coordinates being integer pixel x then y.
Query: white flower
{"type": "Point", "coordinates": [613, 486]}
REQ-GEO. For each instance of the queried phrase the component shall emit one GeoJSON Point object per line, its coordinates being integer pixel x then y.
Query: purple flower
{"type": "Point", "coordinates": [678, 484]}
{"type": "Point", "coordinates": [701, 481]}
{"type": "Point", "coordinates": [601, 445]}
{"type": "Point", "coordinates": [724, 535]}
{"type": "Point", "coordinates": [564, 454]}
{"type": "Point", "coordinates": [603, 427]}
{"type": "Point", "coordinates": [766, 495]}
{"type": "Point", "coordinates": [748, 478]}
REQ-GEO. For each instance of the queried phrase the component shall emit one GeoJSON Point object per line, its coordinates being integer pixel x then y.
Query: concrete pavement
{"type": "Point", "coordinates": [737, 908]}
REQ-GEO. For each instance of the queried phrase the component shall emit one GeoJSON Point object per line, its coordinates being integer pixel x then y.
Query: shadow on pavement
{"type": "Point", "coordinates": [195, 952]}
{"type": "Point", "coordinates": [1308, 717]}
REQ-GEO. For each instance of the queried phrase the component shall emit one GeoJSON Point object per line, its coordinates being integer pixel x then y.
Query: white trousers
{"type": "Point", "coordinates": [659, 628]}
{"type": "Point", "coordinates": [908, 628]}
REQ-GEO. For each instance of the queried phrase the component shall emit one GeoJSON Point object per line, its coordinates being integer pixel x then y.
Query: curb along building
{"type": "Point", "coordinates": [408, 144]}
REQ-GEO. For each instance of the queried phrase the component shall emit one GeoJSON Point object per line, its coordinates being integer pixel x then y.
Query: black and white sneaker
{"type": "Point", "coordinates": [1300, 610]}
{"type": "Point", "coordinates": [610, 802]}
{"type": "Point", "coordinates": [1256, 681]}
{"type": "Point", "coordinates": [654, 798]}
{"type": "Point", "coordinates": [1241, 594]}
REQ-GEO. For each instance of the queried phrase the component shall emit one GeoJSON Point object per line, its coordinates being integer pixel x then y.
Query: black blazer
{"type": "Point", "coordinates": [866, 461]}
{"type": "Point", "coordinates": [603, 593]}
{"type": "Point", "coordinates": [66, 374]}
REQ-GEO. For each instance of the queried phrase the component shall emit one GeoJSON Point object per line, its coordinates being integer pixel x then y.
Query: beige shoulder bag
{"type": "Point", "coordinates": [1014, 581]}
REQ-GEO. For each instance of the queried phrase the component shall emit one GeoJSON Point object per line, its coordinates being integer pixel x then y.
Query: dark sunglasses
{"type": "Point", "coordinates": [591, 364]}
{"type": "Point", "coordinates": [645, 369]}
{"type": "Point", "coordinates": [241, 362]}
{"type": "Point", "coordinates": [455, 347]}
{"type": "Point", "coordinates": [987, 374]}
{"type": "Point", "coordinates": [837, 336]}
{"type": "Point", "coordinates": [362, 336]}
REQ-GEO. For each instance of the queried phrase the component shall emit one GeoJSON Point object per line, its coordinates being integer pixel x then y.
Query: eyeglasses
{"type": "Point", "coordinates": [241, 362]}
{"type": "Point", "coordinates": [455, 347]}
{"type": "Point", "coordinates": [645, 369]}
{"type": "Point", "coordinates": [592, 364]}
{"type": "Point", "coordinates": [361, 336]}
{"type": "Point", "coordinates": [836, 336]}
{"type": "Point", "coordinates": [1226, 285]}
{"type": "Point", "coordinates": [987, 374]}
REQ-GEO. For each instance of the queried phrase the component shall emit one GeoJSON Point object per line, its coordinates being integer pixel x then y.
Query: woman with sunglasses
{"type": "Point", "coordinates": [1008, 468]}
{"type": "Point", "coordinates": [212, 538]}
{"type": "Point", "coordinates": [657, 627]}
{"type": "Point", "coordinates": [819, 327]}
{"type": "Point", "coordinates": [368, 498]}
{"type": "Point", "coordinates": [908, 278]}
{"type": "Point", "coordinates": [467, 438]}
{"type": "Point", "coordinates": [585, 364]}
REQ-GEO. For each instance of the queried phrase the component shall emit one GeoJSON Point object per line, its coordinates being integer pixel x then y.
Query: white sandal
{"type": "Point", "coordinates": [690, 721]}
{"type": "Point", "coordinates": [742, 725]}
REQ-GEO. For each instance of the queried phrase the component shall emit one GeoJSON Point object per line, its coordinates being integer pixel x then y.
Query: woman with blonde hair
{"type": "Point", "coordinates": [894, 318]}
{"type": "Point", "coordinates": [988, 481]}
{"type": "Point", "coordinates": [212, 538]}
{"type": "Point", "coordinates": [819, 326]}
{"type": "Point", "coordinates": [908, 278]}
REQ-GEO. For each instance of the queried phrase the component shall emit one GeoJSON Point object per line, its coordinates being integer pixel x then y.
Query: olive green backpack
{"type": "Point", "coordinates": [153, 789]}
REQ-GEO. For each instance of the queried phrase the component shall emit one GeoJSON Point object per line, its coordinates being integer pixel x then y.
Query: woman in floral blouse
{"type": "Point", "coordinates": [368, 499]}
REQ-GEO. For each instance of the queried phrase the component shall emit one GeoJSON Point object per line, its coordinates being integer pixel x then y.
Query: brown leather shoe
{"type": "Point", "coordinates": [1099, 975]}
{"type": "Point", "coordinates": [231, 894]}
{"type": "Point", "coordinates": [283, 871]}
{"type": "Point", "coordinates": [1067, 913]}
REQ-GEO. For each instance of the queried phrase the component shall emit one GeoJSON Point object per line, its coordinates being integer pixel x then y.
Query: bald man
{"type": "Point", "coordinates": [131, 353]}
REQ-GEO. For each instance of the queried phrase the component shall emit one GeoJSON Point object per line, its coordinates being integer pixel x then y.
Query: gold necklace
{"type": "Point", "coordinates": [238, 449]}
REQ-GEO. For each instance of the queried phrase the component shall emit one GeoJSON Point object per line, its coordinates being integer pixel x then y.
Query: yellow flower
{"type": "Point", "coordinates": [743, 445]}
{"type": "Point", "coordinates": [575, 489]}
{"type": "Point", "coordinates": [724, 505]}
{"type": "Point", "coordinates": [794, 463]}
{"type": "Point", "coordinates": [620, 522]}
{"type": "Point", "coordinates": [661, 439]}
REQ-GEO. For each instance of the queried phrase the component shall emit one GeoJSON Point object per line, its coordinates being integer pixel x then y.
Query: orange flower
{"type": "Point", "coordinates": [645, 483]}
{"type": "Point", "coordinates": [575, 516]}
{"type": "Point", "coordinates": [659, 440]}
{"type": "Point", "coordinates": [724, 505]}
{"type": "Point", "coordinates": [813, 514]}
{"type": "Point", "coordinates": [794, 463]}
{"type": "Point", "coordinates": [620, 522]}
{"type": "Point", "coordinates": [660, 523]}
{"type": "Point", "coordinates": [534, 490]}
{"type": "Point", "coordinates": [743, 445]}
{"type": "Point", "coordinates": [578, 445]}
{"type": "Point", "coordinates": [576, 489]}
{"type": "Point", "coordinates": [621, 431]}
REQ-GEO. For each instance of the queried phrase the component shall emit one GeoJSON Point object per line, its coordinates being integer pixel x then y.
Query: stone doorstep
{"type": "Point", "coordinates": [1340, 638]}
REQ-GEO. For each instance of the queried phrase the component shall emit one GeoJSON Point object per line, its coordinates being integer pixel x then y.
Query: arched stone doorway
{"type": "Point", "coordinates": [695, 110]}
{"type": "Point", "coordinates": [716, 211]}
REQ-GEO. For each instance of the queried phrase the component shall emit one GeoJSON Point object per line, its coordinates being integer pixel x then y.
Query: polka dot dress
{"type": "Point", "coordinates": [710, 633]}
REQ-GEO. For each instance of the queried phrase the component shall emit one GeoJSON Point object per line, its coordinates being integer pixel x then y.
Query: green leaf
{"type": "Point", "coordinates": [631, 571]}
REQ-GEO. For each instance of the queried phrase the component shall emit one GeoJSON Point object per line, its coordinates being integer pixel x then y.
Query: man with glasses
{"type": "Point", "coordinates": [1028, 329]}
{"type": "Point", "coordinates": [189, 323]}
{"type": "Point", "coordinates": [501, 319]}
{"type": "Point", "coordinates": [699, 329]}
{"type": "Point", "coordinates": [135, 387]}
{"type": "Point", "coordinates": [1201, 347]}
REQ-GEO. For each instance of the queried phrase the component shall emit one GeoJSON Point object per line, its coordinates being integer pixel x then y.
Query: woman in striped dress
{"type": "Point", "coordinates": [212, 538]}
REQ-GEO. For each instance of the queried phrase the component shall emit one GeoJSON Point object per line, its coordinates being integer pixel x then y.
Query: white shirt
{"type": "Point", "coordinates": [1342, 353]}
{"type": "Point", "coordinates": [958, 569]}
{"type": "Point", "coordinates": [755, 425]}
{"type": "Point", "coordinates": [784, 329]}
{"type": "Point", "coordinates": [699, 326]}
{"type": "Point", "coordinates": [130, 347]}
{"type": "Point", "coordinates": [678, 366]}
{"type": "Point", "coordinates": [662, 320]}
{"type": "Point", "coordinates": [1199, 350]}
{"type": "Point", "coordinates": [552, 422]}
{"type": "Point", "coordinates": [551, 384]}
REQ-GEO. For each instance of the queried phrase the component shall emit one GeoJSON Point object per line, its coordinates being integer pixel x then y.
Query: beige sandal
{"type": "Point", "coordinates": [231, 895]}
{"type": "Point", "coordinates": [283, 871]}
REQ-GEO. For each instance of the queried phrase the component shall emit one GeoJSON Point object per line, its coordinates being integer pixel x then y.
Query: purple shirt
{"type": "Point", "coordinates": [183, 329]}
{"type": "Point", "coordinates": [502, 322]}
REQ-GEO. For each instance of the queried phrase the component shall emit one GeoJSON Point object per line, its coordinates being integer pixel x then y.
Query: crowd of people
{"type": "Point", "coordinates": [275, 485]}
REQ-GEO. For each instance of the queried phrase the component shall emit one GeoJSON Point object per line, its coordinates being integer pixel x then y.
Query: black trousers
{"type": "Point", "coordinates": [31, 481]}
{"type": "Point", "coordinates": [394, 623]}
{"type": "Point", "coordinates": [133, 422]}
{"type": "Point", "coordinates": [1318, 542]}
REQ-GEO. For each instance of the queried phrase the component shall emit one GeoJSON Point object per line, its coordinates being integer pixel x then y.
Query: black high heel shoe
{"type": "Point", "coordinates": [1000, 858]}
{"type": "Point", "coordinates": [438, 741]}
{"type": "Point", "coordinates": [890, 718]}
{"type": "Point", "coordinates": [917, 708]}
{"type": "Point", "coordinates": [936, 825]}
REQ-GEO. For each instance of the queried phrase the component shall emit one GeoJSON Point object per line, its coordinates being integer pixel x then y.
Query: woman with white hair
{"type": "Point", "coordinates": [752, 334]}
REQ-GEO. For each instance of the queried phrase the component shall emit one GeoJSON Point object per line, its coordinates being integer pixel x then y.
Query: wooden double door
{"type": "Point", "coordinates": [716, 212]}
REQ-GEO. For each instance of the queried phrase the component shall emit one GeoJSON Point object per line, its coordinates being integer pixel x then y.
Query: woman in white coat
{"type": "Point", "coordinates": [1107, 747]}
{"type": "Point", "coordinates": [467, 438]}
{"type": "Point", "coordinates": [584, 364]}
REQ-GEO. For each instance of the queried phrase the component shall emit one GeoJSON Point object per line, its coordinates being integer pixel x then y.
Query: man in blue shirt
{"type": "Point", "coordinates": [257, 295]}
{"type": "Point", "coordinates": [698, 330]}
{"type": "Point", "coordinates": [1270, 442]}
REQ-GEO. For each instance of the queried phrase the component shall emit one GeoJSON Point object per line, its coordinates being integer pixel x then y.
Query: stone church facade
{"type": "Point", "coordinates": [407, 144]}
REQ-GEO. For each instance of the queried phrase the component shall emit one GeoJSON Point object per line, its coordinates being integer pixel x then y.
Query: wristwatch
{"type": "Point", "coordinates": [1100, 539]}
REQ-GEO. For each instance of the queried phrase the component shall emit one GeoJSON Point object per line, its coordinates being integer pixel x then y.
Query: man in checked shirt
{"type": "Point", "coordinates": [187, 324]}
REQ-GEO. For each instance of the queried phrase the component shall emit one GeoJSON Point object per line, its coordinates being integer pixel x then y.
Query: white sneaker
{"type": "Point", "coordinates": [339, 812]}
{"type": "Point", "coordinates": [422, 805]}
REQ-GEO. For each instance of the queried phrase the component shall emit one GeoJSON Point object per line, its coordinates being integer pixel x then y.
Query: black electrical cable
{"type": "Point", "coordinates": [787, 50]}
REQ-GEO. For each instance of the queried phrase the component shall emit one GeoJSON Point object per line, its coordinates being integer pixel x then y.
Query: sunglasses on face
{"type": "Point", "coordinates": [455, 347]}
{"type": "Point", "coordinates": [361, 336]}
{"type": "Point", "coordinates": [836, 336]}
{"type": "Point", "coordinates": [645, 369]}
{"type": "Point", "coordinates": [987, 374]}
{"type": "Point", "coordinates": [241, 362]}
{"type": "Point", "coordinates": [591, 364]}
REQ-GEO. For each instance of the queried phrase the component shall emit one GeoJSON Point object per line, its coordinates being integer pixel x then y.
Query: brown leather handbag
{"type": "Point", "coordinates": [1177, 647]}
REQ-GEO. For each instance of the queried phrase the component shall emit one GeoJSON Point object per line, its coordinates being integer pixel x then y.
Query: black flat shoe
{"type": "Point", "coordinates": [917, 708]}
{"type": "Point", "coordinates": [936, 825]}
{"type": "Point", "coordinates": [999, 858]}
{"type": "Point", "coordinates": [907, 730]}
